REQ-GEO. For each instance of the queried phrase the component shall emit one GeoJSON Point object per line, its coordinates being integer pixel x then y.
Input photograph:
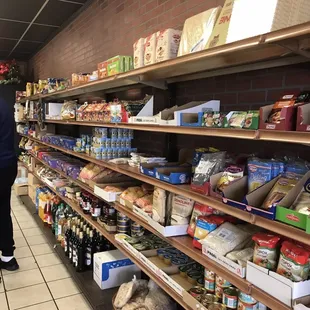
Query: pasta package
{"type": "Point", "coordinates": [231, 174]}
{"type": "Point", "coordinates": [302, 202]}
{"type": "Point", "coordinates": [266, 250]}
{"type": "Point", "coordinates": [294, 262]}
{"type": "Point", "coordinates": [279, 191]}
{"type": "Point", "coordinates": [197, 31]}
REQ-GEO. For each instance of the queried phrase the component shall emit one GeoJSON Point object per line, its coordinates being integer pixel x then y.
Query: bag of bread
{"type": "Point", "coordinates": [159, 205]}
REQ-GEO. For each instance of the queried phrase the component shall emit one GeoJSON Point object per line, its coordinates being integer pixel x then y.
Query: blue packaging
{"type": "Point", "coordinates": [259, 173]}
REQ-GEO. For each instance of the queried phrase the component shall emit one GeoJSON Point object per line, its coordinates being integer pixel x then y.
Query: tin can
{"type": "Point", "coordinates": [217, 306]}
{"type": "Point", "coordinates": [222, 282]}
{"type": "Point", "coordinates": [209, 274]}
{"type": "Point", "coordinates": [208, 299]}
{"type": "Point", "coordinates": [113, 143]}
{"type": "Point", "coordinates": [114, 133]}
{"type": "Point", "coordinates": [128, 143]}
{"type": "Point", "coordinates": [130, 133]}
{"type": "Point", "coordinates": [219, 292]}
{"type": "Point", "coordinates": [210, 285]}
{"type": "Point", "coordinates": [244, 306]}
{"type": "Point", "coordinates": [248, 299]}
{"type": "Point", "coordinates": [230, 297]}
{"type": "Point", "coordinates": [108, 143]}
{"type": "Point", "coordinates": [197, 292]}
{"type": "Point", "coordinates": [125, 133]}
{"type": "Point", "coordinates": [120, 132]}
{"type": "Point", "coordinates": [136, 229]}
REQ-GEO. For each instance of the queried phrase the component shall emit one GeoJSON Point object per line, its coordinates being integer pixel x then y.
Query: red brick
{"type": "Point", "coordinates": [226, 98]}
{"type": "Point", "coordinates": [252, 97]}
{"type": "Point", "coordinates": [274, 95]}
{"type": "Point", "coordinates": [268, 81]}
{"type": "Point", "coordinates": [297, 78]}
{"type": "Point", "coordinates": [238, 85]}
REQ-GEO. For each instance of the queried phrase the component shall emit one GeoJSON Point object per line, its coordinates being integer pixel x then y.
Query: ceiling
{"type": "Point", "coordinates": [25, 25]}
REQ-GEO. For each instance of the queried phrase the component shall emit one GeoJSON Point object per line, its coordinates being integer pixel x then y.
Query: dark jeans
{"type": "Point", "coordinates": [7, 177]}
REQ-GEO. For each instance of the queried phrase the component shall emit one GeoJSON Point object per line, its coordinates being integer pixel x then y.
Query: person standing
{"type": "Point", "coordinates": [8, 172]}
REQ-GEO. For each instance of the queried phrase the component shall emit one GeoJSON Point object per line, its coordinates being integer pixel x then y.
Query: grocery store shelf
{"type": "Point", "coordinates": [184, 244]}
{"type": "Point", "coordinates": [111, 238]}
{"type": "Point", "coordinates": [185, 190]}
{"type": "Point", "coordinates": [266, 135]}
{"type": "Point", "coordinates": [98, 299]}
{"type": "Point", "coordinates": [264, 50]}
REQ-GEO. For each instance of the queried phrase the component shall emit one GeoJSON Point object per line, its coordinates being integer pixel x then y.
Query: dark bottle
{"type": "Point", "coordinates": [71, 239]}
{"type": "Point", "coordinates": [74, 246]}
{"type": "Point", "coordinates": [54, 210]}
{"type": "Point", "coordinates": [80, 254]}
{"type": "Point", "coordinates": [108, 246]}
{"type": "Point", "coordinates": [96, 209]}
{"type": "Point", "coordinates": [100, 244]}
{"type": "Point", "coordinates": [86, 204]}
{"type": "Point", "coordinates": [90, 251]}
{"type": "Point", "coordinates": [67, 238]}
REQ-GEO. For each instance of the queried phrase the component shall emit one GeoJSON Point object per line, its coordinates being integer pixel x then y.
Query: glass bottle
{"type": "Point", "coordinates": [67, 238]}
{"type": "Point", "coordinates": [90, 251]}
{"type": "Point", "coordinates": [71, 243]}
{"type": "Point", "coordinates": [80, 250]}
{"type": "Point", "coordinates": [96, 209]}
{"type": "Point", "coordinates": [74, 246]}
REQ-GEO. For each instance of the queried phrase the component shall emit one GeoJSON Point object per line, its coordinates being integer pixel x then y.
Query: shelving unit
{"type": "Point", "coordinates": [279, 48]}
{"type": "Point", "coordinates": [184, 190]}
{"type": "Point", "coordinates": [183, 243]}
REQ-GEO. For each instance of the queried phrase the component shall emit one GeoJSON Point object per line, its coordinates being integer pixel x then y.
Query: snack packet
{"type": "Point", "coordinates": [237, 120]}
{"type": "Point", "coordinates": [251, 120]}
{"type": "Point", "coordinates": [231, 174]}
{"type": "Point", "coordinates": [279, 191]}
{"type": "Point", "coordinates": [199, 210]}
{"type": "Point", "coordinates": [275, 114]}
{"type": "Point", "coordinates": [204, 225]}
{"type": "Point", "coordinates": [294, 262]}
{"type": "Point", "coordinates": [259, 173]}
{"type": "Point", "coordinates": [266, 250]}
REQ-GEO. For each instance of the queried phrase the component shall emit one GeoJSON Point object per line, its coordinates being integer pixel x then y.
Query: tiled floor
{"type": "Point", "coordinates": [42, 282]}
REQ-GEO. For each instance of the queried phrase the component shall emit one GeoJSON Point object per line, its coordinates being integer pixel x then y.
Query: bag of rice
{"type": "Point", "coordinates": [225, 238]}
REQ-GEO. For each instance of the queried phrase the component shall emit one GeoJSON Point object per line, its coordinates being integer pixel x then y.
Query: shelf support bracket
{"type": "Point", "coordinates": [160, 84]}
{"type": "Point", "coordinates": [297, 47]}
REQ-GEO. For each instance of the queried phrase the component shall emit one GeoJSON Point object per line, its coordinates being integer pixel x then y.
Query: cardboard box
{"type": "Point", "coordinates": [33, 180]}
{"type": "Point", "coordinates": [167, 231]}
{"type": "Point", "coordinates": [53, 110]}
{"type": "Point", "coordinates": [174, 175]}
{"type": "Point", "coordinates": [112, 268]}
{"type": "Point", "coordinates": [21, 189]}
{"type": "Point", "coordinates": [294, 218]}
{"type": "Point", "coordinates": [102, 69]}
{"type": "Point", "coordinates": [287, 122]}
{"type": "Point", "coordinates": [303, 118]}
{"type": "Point", "coordinates": [224, 261]}
{"type": "Point", "coordinates": [119, 64]}
{"type": "Point", "coordinates": [276, 285]}
{"type": "Point", "coordinates": [138, 53]}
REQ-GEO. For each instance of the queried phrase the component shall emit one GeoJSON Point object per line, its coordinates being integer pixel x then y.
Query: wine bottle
{"type": "Point", "coordinates": [71, 239]}
{"type": "Point", "coordinates": [80, 254]}
{"type": "Point", "coordinates": [67, 237]}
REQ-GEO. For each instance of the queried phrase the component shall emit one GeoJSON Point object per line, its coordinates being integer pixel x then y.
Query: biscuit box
{"type": "Point", "coordinates": [119, 64]}
{"type": "Point", "coordinates": [102, 69]}
{"type": "Point", "coordinates": [112, 268]}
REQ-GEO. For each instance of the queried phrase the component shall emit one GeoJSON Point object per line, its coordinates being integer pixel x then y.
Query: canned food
{"type": "Point", "coordinates": [217, 306]}
{"type": "Point", "coordinates": [209, 274]}
{"type": "Point", "coordinates": [219, 292]}
{"type": "Point", "coordinates": [167, 260]}
{"type": "Point", "coordinates": [210, 285]}
{"type": "Point", "coordinates": [248, 299]}
{"type": "Point", "coordinates": [222, 282]}
{"type": "Point", "coordinates": [197, 291]}
{"type": "Point", "coordinates": [230, 297]}
{"type": "Point", "coordinates": [201, 282]}
{"type": "Point", "coordinates": [208, 299]}
{"type": "Point", "coordinates": [244, 306]}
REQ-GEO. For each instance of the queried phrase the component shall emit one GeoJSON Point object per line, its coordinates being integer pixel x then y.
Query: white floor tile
{"type": "Point", "coordinates": [35, 240]}
{"type": "Point", "coordinates": [1, 287]}
{"type": "Point", "coordinates": [55, 272]}
{"type": "Point", "coordinates": [48, 260]}
{"type": "Point", "coordinates": [28, 224]}
{"type": "Point", "coordinates": [25, 264]}
{"type": "Point", "coordinates": [22, 252]}
{"type": "Point", "coordinates": [76, 302]}
{"type": "Point", "coordinates": [16, 228]}
{"type": "Point", "coordinates": [20, 242]}
{"type": "Point", "coordinates": [41, 249]}
{"type": "Point", "coordinates": [22, 279]}
{"type": "Point", "coordinates": [19, 213]}
{"type": "Point", "coordinates": [63, 288]}
{"type": "Point", "coordinates": [32, 232]}
{"type": "Point", "coordinates": [3, 303]}
{"type": "Point", "coordinates": [24, 218]}
{"type": "Point", "coordinates": [18, 234]}
{"type": "Point", "coordinates": [28, 296]}
{"type": "Point", "coordinates": [50, 305]}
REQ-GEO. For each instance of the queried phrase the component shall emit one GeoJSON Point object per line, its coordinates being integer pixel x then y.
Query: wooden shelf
{"type": "Point", "coordinates": [265, 135]}
{"type": "Point", "coordinates": [183, 243]}
{"type": "Point", "coordinates": [278, 48]}
{"type": "Point", "coordinates": [185, 190]}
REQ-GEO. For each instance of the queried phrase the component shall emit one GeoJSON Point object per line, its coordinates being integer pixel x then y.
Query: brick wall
{"type": "Point", "coordinates": [108, 28]}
